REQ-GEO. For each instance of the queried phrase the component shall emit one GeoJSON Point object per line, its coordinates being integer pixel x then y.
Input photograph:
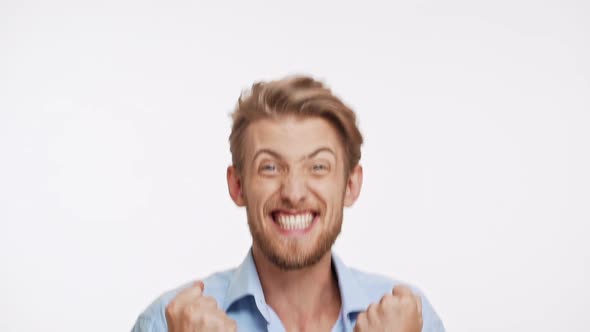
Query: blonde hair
{"type": "Point", "coordinates": [299, 96]}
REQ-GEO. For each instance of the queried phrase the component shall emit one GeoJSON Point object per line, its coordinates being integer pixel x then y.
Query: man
{"type": "Point", "coordinates": [295, 165]}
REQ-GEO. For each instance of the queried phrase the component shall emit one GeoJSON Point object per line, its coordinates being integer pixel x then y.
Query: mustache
{"type": "Point", "coordinates": [274, 204]}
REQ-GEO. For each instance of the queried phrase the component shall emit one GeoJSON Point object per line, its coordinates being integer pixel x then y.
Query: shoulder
{"type": "Point", "coordinates": [153, 318]}
{"type": "Point", "coordinates": [376, 286]}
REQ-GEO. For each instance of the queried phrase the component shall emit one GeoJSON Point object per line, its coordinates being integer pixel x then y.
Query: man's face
{"type": "Point", "coordinates": [294, 187]}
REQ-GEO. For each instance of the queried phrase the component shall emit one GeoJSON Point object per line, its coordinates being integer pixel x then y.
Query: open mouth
{"type": "Point", "coordinates": [294, 221]}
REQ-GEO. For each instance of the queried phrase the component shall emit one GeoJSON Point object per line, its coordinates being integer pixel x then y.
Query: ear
{"type": "Point", "coordinates": [234, 185]}
{"type": "Point", "coordinates": [353, 185]}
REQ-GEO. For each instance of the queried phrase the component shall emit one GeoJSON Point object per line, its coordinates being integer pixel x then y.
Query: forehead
{"type": "Point", "coordinates": [291, 136]}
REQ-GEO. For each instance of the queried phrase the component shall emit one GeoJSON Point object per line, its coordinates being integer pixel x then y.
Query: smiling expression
{"type": "Point", "coordinates": [294, 186]}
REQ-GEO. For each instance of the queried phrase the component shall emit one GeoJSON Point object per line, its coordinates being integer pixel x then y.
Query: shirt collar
{"type": "Point", "coordinates": [354, 299]}
{"type": "Point", "coordinates": [245, 282]}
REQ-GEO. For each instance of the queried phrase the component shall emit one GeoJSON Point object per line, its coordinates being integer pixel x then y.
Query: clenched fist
{"type": "Point", "coordinates": [190, 311]}
{"type": "Point", "coordinates": [400, 311]}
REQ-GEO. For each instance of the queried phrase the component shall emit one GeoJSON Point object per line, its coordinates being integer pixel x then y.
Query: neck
{"type": "Point", "coordinates": [304, 299]}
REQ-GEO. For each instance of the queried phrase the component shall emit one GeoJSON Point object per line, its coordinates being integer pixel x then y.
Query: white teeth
{"type": "Point", "coordinates": [292, 222]}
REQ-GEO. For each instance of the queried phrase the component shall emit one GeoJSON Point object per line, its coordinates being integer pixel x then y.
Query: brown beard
{"type": "Point", "coordinates": [289, 258]}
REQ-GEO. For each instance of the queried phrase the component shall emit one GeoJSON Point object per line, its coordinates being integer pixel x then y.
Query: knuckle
{"type": "Point", "coordinates": [170, 308]}
{"type": "Point", "coordinates": [387, 300]}
{"type": "Point", "coordinates": [187, 311]}
{"type": "Point", "coordinates": [373, 311]}
{"type": "Point", "coordinates": [361, 321]}
{"type": "Point", "coordinates": [407, 301]}
{"type": "Point", "coordinates": [212, 322]}
{"type": "Point", "coordinates": [233, 326]}
{"type": "Point", "coordinates": [209, 301]}
{"type": "Point", "coordinates": [372, 308]}
{"type": "Point", "coordinates": [206, 322]}
{"type": "Point", "coordinates": [404, 288]}
{"type": "Point", "coordinates": [394, 302]}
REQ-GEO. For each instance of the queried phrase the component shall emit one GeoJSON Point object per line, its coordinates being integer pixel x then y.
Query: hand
{"type": "Point", "coordinates": [190, 311]}
{"type": "Point", "coordinates": [400, 311]}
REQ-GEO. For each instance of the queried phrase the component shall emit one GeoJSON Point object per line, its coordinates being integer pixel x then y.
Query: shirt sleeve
{"type": "Point", "coordinates": [153, 319]}
{"type": "Point", "coordinates": [143, 324]}
{"type": "Point", "coordinates": [431, 322]}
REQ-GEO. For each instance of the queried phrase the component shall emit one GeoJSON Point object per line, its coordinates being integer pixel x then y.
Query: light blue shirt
{"type": "Point", "coordinates": [239, 293]}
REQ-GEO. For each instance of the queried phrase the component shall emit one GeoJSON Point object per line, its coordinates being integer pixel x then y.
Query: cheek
{"type": "Point", "coordinates": [259, 190]}
{"type": "Point", "coordinates": [328, 190]}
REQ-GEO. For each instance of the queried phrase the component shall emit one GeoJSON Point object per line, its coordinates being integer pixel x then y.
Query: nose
{"type": "Point", "coordinates": [293, 189]}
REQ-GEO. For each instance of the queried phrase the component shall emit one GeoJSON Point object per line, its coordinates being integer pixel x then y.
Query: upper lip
{"type": "Point", "coordinates": [292, 212]}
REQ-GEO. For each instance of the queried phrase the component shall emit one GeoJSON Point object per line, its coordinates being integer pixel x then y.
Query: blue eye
{"type": "Point", "coordinates": [319, 168]}
{"type": "Point", "coordinates": [268, 168]}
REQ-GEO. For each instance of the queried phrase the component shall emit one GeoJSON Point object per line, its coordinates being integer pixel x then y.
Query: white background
{"type": "Point", "coordinates": [113, 145]}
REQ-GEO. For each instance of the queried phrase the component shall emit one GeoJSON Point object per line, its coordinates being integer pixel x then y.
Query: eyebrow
{"type": "Point", "coordinates": [279, 156]}
{"type": "Point", "coordinates": [317, 151]}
